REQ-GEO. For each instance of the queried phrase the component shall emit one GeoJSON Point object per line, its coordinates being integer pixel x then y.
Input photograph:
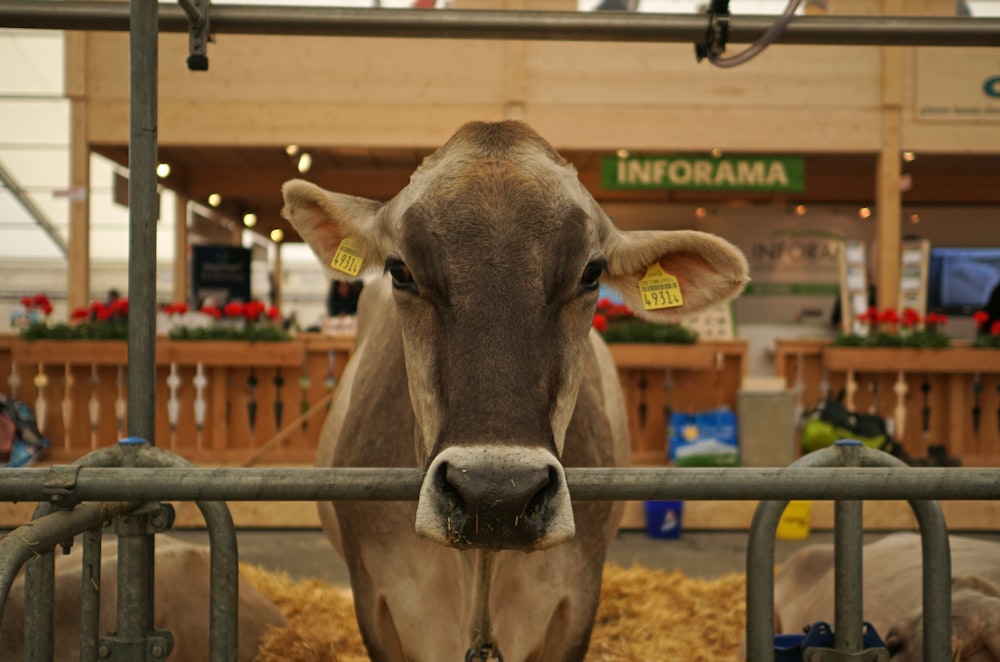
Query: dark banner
{"type": "Point", "coordinates": [220, 274]}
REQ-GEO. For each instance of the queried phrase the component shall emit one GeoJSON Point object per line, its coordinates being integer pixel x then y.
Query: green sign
{"type": "Point", "coordinates": [727, 173]}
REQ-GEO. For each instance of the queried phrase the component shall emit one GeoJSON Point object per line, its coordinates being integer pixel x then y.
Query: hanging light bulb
{"type": "Point", "coordinates": [215, 200]}
{"type": "Point", "coordinates": [277, 235]}
{"type": "Point", "coordinates": [250, 220]}
{"type": "Point", "coordinates": [305, 162]}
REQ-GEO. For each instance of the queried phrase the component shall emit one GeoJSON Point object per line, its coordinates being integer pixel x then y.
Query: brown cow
{"type": "Point", "coordinates": [476, 361]}
{"type": "Point", "coordinates": [803, 594]}
{"type": "Point", "coordinates": [181, 595]}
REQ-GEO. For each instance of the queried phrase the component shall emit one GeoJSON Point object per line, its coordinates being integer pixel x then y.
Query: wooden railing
{"type": "Point", "coordinates": [660, 379]}
{"type": "Point", "coordinates": [220, 402]}
{"type": "Point", "coordinates": [948, 397]}
{"type": "Point", "coordinates": [216, 402]}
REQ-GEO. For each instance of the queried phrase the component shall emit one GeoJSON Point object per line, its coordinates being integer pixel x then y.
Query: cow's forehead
{"type": "Point", "coordinates": [502, 172]}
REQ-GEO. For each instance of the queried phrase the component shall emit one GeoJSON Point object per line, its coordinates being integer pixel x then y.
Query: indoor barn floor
{"type": "Point", "coordinates": [681, 599]}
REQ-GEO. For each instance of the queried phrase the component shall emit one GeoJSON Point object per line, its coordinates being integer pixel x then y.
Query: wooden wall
{"type": "Point", "coordinates": [266, 90]}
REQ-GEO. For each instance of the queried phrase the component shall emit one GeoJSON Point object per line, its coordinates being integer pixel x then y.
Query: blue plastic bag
{"type": "Point", "coordinates": [704, 439]}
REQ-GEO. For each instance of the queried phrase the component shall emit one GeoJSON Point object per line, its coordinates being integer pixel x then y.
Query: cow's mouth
{"type": "Point", "coordinates": [494, 505]}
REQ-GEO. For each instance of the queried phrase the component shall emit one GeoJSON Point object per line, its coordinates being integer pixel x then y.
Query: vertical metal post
{"type": "Point", "coordinates": [90, 596]}
{"type": "Point", "coordinates": [135, 544]}
{"type": "Point", "coordinates": [848, 636]}
{"type": "Point", "coordinates": [760, 562]}
{"type": "Point", "coordinates": [40, 575]}
{"type": "Point", "coordinates": [224, 582]}
{"type": "Point", "coordinates": [143, 214]}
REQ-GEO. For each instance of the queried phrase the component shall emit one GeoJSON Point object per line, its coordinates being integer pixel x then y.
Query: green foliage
{"type": "Point", "coordinates": [986, 341]}
{"type": "Point", "coordinates": [632, 330]}
{"type": "Point", "coordinates": [928, 339]}
{"type": "Point", "coordinates": [114, 329]}
{"type": "Point", "coordinates": [248, 332]}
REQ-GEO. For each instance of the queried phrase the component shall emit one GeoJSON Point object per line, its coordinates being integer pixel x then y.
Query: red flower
{"type": "Point", "coordinates": [211, 311]}
{"type": "Point", "coordinates": [600, 322]}
{"type": "Point", "coordinates": [253, 310]}
{"type": "Point", "coordinates": [26, 302]}
{"type": "Point", "coordinates": [175, 308]}
{"type": "Point", "coordinates": [233, 309]}
{"type": "Point", "coordinates": [936, 318]}
{"type": "Point", "coordinates": [274, 313]}
{"type": "Point", "coordinates": [41, 301]}
{"type": "Point", "coordinates": [620, 310]}
{"type": "Point", "coordinates": [119, 307]}
{"type": "Point", "coordinates": [980, 317]}
{"type": "Point", "coordinates": [995, 328]}
{"type": "Point", "coordinates": [605, 304]}
{"type": "Point", "coordinates": [104, 314]}
{"type": "Point", "coordinates": [96, 306]}
{"type": "Point", "coordinates": [46, 308]}
{"type": "Point", "coordinates": [889, 316]}
{"type": "Point", "coordinates": [910, 317]}
{"type": "Point", "coordinates": [79, 314]}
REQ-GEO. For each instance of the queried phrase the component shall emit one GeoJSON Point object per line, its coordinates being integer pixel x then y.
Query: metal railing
{"type": "Point", "coordinates": [526, 25]}
{"type": "Point", "coordinates": [160, 476]}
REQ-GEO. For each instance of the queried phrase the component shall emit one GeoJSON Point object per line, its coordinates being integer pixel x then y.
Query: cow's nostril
{"type": "Point", "coordinates": [498, 497]}
{"type": "Point", "coordinates": [536, 507]}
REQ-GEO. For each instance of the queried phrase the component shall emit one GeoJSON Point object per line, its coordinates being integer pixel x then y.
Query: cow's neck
{"type": "Point", "coordinates": [484, 644]}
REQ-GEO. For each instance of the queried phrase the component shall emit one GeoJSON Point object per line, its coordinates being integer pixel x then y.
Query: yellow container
{"type": "Point", "coordinates": [794, 523]}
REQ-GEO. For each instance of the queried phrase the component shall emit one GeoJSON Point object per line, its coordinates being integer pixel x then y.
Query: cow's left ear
{"type": "Point", "coordinates": [654, 270]}
{"type": "Point", "coordinates": [325, 219]}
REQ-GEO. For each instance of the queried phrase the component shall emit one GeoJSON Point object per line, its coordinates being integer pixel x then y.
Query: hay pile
{"type": "Point", "coordinates": [644, 615]}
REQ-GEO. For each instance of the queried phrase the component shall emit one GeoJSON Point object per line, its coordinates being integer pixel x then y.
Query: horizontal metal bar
{"type": "Point", "coordinates": [521, 25]}
{"type": "Point", "coordinates": [309, 484]}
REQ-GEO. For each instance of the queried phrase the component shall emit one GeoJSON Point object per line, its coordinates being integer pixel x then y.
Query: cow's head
{"type": "Point", "coordinates": [975, 625]}
{"type": "Point", "coordinates": [496, 253]}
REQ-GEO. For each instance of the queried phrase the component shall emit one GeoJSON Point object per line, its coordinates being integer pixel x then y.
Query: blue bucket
{"type": "Point", "coordinates": [663, 518]}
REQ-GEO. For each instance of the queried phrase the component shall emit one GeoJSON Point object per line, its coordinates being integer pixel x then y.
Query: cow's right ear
{"type": "Point", "coordinates": [324, 219]}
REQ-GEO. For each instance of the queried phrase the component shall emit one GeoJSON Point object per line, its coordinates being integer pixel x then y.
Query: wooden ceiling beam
{"type": "Point", "coordinates": [375, 183]}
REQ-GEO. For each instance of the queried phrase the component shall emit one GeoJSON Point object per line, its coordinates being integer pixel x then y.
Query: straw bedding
{"type": "Point", "coordinates": [644, 615]}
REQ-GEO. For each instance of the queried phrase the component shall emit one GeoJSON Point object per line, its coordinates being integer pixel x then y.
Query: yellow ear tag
{"type": "Point", "coordinates": [659, 289]}
{"type": "Point", "coordinates": [347, 258]}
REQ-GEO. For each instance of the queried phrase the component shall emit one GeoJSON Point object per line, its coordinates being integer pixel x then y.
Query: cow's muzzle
{"type": "Point", "coordinates": [495, 498]}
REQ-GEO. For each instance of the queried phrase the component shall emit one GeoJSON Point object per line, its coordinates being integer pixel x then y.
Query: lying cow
{"type": "Point", "coordinates": [476, 361]}
{"type": "Point", "coordinates": [803, 594]}
{"type": "Point", "coordinates": [181, 595]}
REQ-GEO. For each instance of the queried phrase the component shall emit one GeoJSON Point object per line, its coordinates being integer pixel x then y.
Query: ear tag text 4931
{"type": "Point", "coordinates": [659, 289]}
{"type": "Point", "coordinates": [347, 258]}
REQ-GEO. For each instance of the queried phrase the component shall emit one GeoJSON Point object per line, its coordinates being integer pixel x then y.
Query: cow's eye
{"type": "Point", "coordinates": [401, 276]}
{"type": "Point", "coordinates": [591, 278]}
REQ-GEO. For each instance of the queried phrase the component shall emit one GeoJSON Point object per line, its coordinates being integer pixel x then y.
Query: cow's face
{"type": "Point", "coordinates": [496, 254]}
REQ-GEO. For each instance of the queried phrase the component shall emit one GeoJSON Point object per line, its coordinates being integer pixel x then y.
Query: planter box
{"type": "Point", "coordinates": [698, 356]}
{"type": "Point", "coordinates": [904, 359]}
{"type": "Point", "coordinates": [91, 352]}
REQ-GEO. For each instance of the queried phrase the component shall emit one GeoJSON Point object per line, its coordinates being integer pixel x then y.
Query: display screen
{"type": "Point", "coordinates": [961, 279]}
